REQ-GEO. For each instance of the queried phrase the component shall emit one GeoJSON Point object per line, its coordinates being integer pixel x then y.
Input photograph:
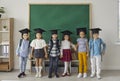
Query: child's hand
{"type": "Point", "coordinates": [17, 55]}
{"type": "Point", "coordinates": [75, 49]}
{"type": "Point", "coordinates": [31, 56]}
{"type": "Point", "coordinates": [61, 55]}
{"type": "Point", "coordinates": [87, 54]}
{"type": "Point", "coordinates": [103, 53]}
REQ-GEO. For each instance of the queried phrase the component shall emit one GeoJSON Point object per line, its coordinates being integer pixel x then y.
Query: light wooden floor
{"type": "Point", "coordinates": [12, 76]}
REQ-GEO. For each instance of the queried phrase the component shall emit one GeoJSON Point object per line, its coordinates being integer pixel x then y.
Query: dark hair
{"type": "Point", "coordinates": [69, 39]}
{"type": "Point", "coordinates": [84, 34]}
{"type": "Point", "coordinates": [22, 36]}
{"type": "Point", "coordinates": [36, 37]}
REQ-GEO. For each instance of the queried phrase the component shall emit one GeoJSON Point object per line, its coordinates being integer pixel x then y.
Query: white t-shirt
{"type": "Point", "coordinates": [66, 44]}
{"type": "Point", "coordinates": [38, 43]}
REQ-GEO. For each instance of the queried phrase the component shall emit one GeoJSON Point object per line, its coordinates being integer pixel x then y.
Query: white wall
{"type": "Point", "coordinates": [104, 15]}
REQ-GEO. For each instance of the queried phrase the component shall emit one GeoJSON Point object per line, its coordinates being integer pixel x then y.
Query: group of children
{"type": "Point", "coordinates": [61, 50]}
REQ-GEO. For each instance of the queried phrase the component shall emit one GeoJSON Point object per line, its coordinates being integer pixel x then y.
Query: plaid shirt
{"type": "Point", "coordinates": [55, 51]}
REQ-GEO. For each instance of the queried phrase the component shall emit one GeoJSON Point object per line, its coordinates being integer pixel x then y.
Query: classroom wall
{"type": "Point", "coordinates": [104, 15]}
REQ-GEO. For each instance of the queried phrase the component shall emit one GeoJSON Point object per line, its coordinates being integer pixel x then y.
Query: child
{"type": "Point", "coordinates": [39, 48]}
{"type": "Point", "coordinates": [23, 51]}
{"type": "Point", "coordinates": [83, 52]}
{"type": "Point", "coordinates": [66, 51]}
{"type": "Point", "coordinates": [97, 48]}
{"type": "Point", "coordinates": [54, 52]}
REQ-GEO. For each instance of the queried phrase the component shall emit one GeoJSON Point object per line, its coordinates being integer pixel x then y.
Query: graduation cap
{"type": "Point", "coordinates": [39, 30]}
{"type": "Point", "coordinates": [66, 32]}
{"type": "Point", "coordinates": [54, 31]}
{"type": "Point", "coordinates": [23, 31]}
{"type": "Point", "coordinates": [81, 30]}
{"type": "Point", "coordinates": [95, 30]}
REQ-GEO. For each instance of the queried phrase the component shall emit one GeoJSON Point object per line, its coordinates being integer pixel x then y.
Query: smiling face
{"type": "Point", "coordinates": [25, 36]}
{"type": "Point", "coordinates": [82, 34]}
{"type": "Point", "coordinates": [38, 35]}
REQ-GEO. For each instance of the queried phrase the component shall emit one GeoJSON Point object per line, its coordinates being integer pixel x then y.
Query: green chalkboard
{"type": "Point", "coordinates": [59, 16]}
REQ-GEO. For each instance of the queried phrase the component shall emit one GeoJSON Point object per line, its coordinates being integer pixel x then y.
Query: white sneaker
{"type": "Point", "coordinates": [84, 75]}
{"type": "Point", "coordinates": [79, 75]}
{"type": "Point", "coordinates": [98, 76]}
{"type": "Point", "coordinates": [92, 75]}
{"type": "Point", "coordinates": [37, 75]}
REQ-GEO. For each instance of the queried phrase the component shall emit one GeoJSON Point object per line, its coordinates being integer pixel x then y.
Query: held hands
{"type": "Point", "coordinates": [30, 56]}
{"type": "Point", "coordinates": [61, 55]}
{"type": "Point", "coordinates": [75, 49]}
{"type": "Point", "coordinates": [87, 54]}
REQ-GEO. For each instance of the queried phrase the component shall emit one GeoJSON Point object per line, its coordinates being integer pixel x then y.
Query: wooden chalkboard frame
{"type": "Point", "coordinates": [90, 9]}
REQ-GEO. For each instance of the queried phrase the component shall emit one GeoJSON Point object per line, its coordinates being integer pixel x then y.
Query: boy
{"type": "Point", "coordinates": [54, 52]}
{"type": "Point", "coordinates": [97, 49]}
{"type": "Point", "coordinates": [23, 51]}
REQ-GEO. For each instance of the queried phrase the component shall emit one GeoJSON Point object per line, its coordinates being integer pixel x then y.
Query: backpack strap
{"type": "Point", "coordinates": [29, 44]}
{"type": "Point", "coordinates": [20, 42]}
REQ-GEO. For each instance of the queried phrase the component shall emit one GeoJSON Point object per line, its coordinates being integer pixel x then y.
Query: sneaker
{"type": "Point", "coordinates": [98, 76]}
{"type": "Point", "coordinates": [50, 76]}
{"type": "Point", "coordinates": [37, 75]}
{"type": "Point", "coordinates": [57, 76]}
{"type": "Point", "coordinates": [84, 75]}
{"type": "Point", "coordinates": [64, 74]}
{"type": "Point", "coordinates": [20, 75]}
{"type": "Point", "coordinates": [92, 75]}
{"type": "Point", "coordinates": [68, 74]}
{"type": "Point", "coordinates": [79, 75]}
{"type": "Point", "coordinates": [23, 74]}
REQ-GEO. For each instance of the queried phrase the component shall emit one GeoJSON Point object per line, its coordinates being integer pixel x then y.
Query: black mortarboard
{"type": "Point", "coordinates": [54, 31]}
{"type": "Point", "coordinates": [95, 30]}
{"type": "Point", "coordinates": [39, 30]}
{"type": "Point", "coordinates": [66, 32]}
{"type": "Point", "coordinates": [81, 30]}
{"type": "Point", "coordinates": [24, 31]}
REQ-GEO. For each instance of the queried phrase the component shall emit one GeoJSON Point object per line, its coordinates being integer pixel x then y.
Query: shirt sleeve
{"type": "Point", "coordinates": [77, 40]}
{"type": "Point", "coordinates": [103, 46]}
{"type": "Point", "coordinates": [44, 43]}
{"type": "Point", "coordinates": [73, 46]}
{"type": "Point", "coordinates": [90, 46]}
{"type": "Point", "coordinates": [32, 44]}
{"type": "Point", "coordinates": [86, 40]}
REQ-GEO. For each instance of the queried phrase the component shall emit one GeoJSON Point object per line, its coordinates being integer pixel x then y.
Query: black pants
{"type": "Point", "coordinates": [53, 65]}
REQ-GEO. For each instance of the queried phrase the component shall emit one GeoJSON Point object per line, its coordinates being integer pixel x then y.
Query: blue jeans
{"type": "Point", "coordinates": [23, 62]}
{"type": "Point", "coordinates": [53, 65]}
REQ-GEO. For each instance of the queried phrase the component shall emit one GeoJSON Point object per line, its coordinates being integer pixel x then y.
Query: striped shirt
{"type": "Point", "coordinates": [55, 51]}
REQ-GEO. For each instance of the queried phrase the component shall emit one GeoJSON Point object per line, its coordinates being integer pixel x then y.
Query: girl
{"type": "Point", "coordinates": [54, 53]}
{"type": "Point", "coordinates": [39, 49]}
{"type": "Point", "coordinates": [97, 49]}
{"type": "Point", "coordinates": [66, 56]}
{"type": "Point", "coordinates": [83, 52]}
{"type": "Point", "coordinates": [23, 51]}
